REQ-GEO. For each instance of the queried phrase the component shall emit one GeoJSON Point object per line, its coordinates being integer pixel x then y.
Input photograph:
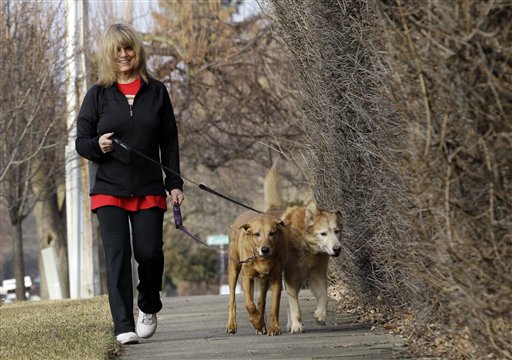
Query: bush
{"type": "Point", "coordinates": [408, 114]}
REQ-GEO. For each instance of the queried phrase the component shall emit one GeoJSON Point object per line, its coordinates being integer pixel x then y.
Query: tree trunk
{"type": "Point", "coordinates": [19, 265]}
{"type": "Point", "coordinates": [51, 231]}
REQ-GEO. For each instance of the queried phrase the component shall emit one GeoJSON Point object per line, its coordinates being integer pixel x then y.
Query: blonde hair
{"type": "Point", "coordinates": [119, 36]}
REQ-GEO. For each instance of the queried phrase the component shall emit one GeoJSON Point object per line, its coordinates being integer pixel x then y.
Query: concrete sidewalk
{"type": "Point", "coordinates": [194, 328]}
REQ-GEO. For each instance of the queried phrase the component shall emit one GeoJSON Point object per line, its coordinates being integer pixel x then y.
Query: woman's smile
{"type": "Point", "coordinates": [125, 60]}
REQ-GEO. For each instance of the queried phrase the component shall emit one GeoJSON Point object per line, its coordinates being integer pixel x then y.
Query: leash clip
{"type": "Point", "coordinates": [178, 220]}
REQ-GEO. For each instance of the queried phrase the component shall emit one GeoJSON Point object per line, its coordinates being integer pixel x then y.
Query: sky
{"type": "Point", "coordinates": [142, 10]}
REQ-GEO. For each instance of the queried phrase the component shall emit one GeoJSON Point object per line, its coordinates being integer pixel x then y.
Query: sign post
{"type": "Point", "coordinates": [220, 240]}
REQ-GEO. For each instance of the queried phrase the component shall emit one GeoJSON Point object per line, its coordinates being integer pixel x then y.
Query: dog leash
{"type": "Point", "coordinates": [201, 186]}
{"type": "Point", "coordinates": [178, 221]}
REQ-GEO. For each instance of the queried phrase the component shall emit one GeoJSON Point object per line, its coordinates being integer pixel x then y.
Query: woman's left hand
{"type": "Point", "coordinates": [177, 196]}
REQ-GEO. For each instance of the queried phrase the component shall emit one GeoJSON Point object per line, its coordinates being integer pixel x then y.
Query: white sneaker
{"type": "Point", "coordinates": [128, 338]}
{"type": "Point", "coordinates": [146, 324]}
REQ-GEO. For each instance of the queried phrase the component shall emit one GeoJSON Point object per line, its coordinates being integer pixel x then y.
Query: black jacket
{"type": "Point", "coordinates": [148, 126]}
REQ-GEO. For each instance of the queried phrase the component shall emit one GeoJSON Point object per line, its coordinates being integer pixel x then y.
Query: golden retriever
{"type": "Point", "coordinates": [257, 249]}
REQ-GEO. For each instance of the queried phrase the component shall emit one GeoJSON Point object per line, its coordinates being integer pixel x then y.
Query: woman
{"type": "Point", "coordinates": [128, 190]}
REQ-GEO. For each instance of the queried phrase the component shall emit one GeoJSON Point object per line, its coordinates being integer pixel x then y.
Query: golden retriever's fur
{"type": "Point", "coordinates": [261, 239]}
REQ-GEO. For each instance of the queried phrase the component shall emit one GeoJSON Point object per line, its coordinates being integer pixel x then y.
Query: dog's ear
{"type": "Point", "coordinates": [311, 210]}
{"type": "Point", "coordinates": [311, 206]}
{"type": "Point", "coordinates": [282, 223]}
{"type": "Point", "coordinates": [339, 219]}
{"type": "Point", "coordinates": [245, 227]}
{"type": "Point", "coordinates": [286, 222]}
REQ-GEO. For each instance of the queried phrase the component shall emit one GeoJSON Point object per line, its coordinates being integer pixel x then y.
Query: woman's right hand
{"type": "Point", "coordinates": [106, 142]}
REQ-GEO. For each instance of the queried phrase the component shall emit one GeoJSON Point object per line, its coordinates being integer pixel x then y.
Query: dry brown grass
{"type": "Point", "coordinates": [408, 109]}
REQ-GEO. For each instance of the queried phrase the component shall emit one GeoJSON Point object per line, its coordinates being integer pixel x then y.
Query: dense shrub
{"type": "Point", "coordinates": [408, 109]}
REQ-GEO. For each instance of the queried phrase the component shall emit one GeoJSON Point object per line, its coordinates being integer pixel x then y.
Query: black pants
{"type": "Point", "coordinates": [148, 252]}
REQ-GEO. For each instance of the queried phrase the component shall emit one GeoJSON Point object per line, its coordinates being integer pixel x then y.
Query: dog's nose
{"type": "Point", "coordinates": [337, 251]}
{"type": "Point", "coordinates": [265, 250]}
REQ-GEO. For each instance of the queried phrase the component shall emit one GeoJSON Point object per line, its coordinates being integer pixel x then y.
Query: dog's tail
{"type": "Point", "coordinates": [272, 190]}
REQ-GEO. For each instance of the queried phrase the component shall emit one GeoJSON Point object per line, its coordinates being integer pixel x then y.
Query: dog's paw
{"type": "Point", "coordinates": [231, 328]}
{"type": "Point", "coordinates": [274, 330]}
{"type": "Point", "coordinates": [320, 322]}
{"type": "Point", "coordinates": [260, 327]}
{"type": "Point", "coordinates": [258, 323]}
{"type": "Point", "coordinates": [297, 329]}
{"type": "Point", "coordinates": [319, 317]}
{"type": "Point", "coordinates": [261, 330]}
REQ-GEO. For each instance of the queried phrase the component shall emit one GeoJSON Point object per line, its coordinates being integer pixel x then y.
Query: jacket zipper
{"type": "Point", "coordinates": [132, 126]}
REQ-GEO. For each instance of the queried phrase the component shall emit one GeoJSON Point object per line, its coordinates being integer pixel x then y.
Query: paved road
{"type": "Point", "coordinates": [194, 328]}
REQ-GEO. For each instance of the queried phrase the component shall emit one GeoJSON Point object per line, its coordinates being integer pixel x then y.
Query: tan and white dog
{"type": "Point", "coordinates": [313, 236]}
{"type": "Point", "coordinates": [257, 249]}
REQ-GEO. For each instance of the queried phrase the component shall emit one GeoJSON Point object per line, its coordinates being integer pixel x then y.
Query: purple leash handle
{"type": "Point", "coordinates": [178, 220]}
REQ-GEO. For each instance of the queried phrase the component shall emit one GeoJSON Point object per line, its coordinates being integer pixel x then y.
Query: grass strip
{"type": "Point", "coordinates": [63, 329]}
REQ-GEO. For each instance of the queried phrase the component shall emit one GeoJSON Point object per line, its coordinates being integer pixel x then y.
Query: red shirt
{"type": "Point", "coordinates": [129, 203]}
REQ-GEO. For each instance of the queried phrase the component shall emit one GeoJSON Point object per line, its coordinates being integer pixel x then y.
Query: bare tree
{"type": "Point", "coordinates": [222, 76]}
{"type": "Point", "coordinates": [228, 83]}
{"type": "Point", "coordinates": [32, 130]}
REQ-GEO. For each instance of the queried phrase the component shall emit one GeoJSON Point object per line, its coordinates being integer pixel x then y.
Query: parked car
{"type": "Point", "coordinates": [9, 289]}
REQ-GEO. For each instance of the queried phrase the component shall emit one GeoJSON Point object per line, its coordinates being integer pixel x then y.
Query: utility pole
{"type": "Point", "coordinates": [82, 255]}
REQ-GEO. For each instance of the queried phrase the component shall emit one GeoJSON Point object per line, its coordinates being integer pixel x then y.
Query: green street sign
{"type": "Point", "coordinates": [217, 240]}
